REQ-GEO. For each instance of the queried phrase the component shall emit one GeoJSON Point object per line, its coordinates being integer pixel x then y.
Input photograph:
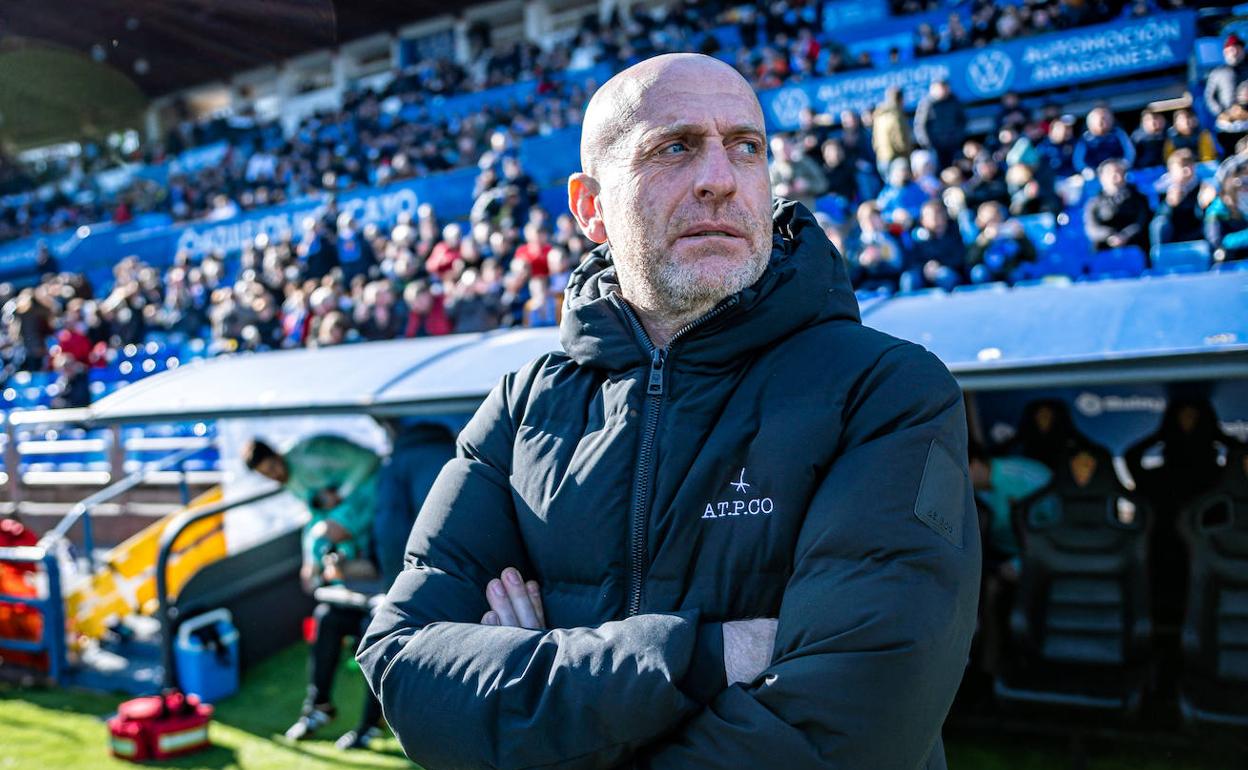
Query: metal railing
{"type": "Point", "coordinates": [168, 613]}
{"type": "Point", "coordinates": [52, 606]}
{"type": "Point", "coordinates": [52, 639]}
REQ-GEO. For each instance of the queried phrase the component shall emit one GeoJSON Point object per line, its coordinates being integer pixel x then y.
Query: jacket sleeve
{"type": "Point", "coordinates": [464, 695]}
{"type": "Point", "coordinates": [876, 621]}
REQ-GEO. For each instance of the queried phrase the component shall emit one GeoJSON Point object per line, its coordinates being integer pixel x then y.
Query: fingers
{"type": "Point", "coordinates": [518, 594]}
{"type": "Point", "coordinates": [535, 597]}
{"type": "Point", "coordinates": [513, 602]}
{"type": "Point", "coordinates": [490, 619]}
{"type": "Point", "coordinates": [496, 595]}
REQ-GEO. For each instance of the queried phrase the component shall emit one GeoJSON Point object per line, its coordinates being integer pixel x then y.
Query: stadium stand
{"type": "Point", "coordinates": [434, 203]}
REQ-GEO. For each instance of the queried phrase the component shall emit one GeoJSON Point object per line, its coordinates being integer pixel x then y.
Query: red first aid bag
{"type": "Point", "coordinates": [159, 727]}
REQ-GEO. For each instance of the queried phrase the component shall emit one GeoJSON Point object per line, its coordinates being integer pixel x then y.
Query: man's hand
{"type": "Point", "coordinates": [513, 602]}
{"type": "Point", "coordinates": [748, 646]}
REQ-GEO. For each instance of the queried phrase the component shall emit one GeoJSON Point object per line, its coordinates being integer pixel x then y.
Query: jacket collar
{"type": "Point", "coordinates": [596, 329]}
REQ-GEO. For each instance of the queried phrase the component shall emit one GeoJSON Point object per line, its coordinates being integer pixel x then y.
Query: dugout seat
{"type": "Point", "coordinates": [1214, 683]}
{"type": "Point", "coordinates": [1081, 622]}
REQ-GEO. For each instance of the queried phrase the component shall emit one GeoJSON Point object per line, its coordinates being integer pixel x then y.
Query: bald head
{"type": "Point", "coordinates": [615, 109]}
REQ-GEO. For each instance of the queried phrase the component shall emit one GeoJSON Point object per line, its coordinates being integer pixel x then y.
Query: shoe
{"type": "Point", "coordinates": [312, 720]}
{"type": "Point", "coordinates": [357, 738]}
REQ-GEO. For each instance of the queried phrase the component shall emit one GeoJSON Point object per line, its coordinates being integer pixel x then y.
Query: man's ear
{"type": "Point", "coordinates": [583, 201]}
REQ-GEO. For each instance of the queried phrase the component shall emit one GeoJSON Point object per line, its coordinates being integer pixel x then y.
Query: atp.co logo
{"type": "Point", "coordinates": [990, 73]}
{"type": "Point", "coordinates": [788, 106]}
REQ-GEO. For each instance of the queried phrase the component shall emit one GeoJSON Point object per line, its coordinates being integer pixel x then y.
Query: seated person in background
{"type": "Point", "coordinates": [1000, 482]}
{"type": "Point", "coordinates": [1232, 123]}
{"type": "Point", "coordinates": [1000, 247]}
{"type": "Point", "coordinates": [1186, 134]}
{"type": "Point", "coordinates": [1150, 140]}
{"type": "Point", "coordinates": [1057, 150]}
{"type": "Point", "coordinates": [1101, 142]}
{"type": "Point", "coordinates": [1178, 215]}
{"type": "Point", "coordinates": [901, 192]}
{"type": "Point", "coordinates": [874, 256]}
{"type": "Point", "coordinates": [542, 307]}
{"type": "Point", "coordinates": [842, 176]}
{"type": "Point", "coordinates": [793, 175]}
{"type": "Point", "coordinates": [937, 256]}
{"type": "Point", "coordinates": [1117, 216]}
{"type": "Point", "coordinates": [1028, 195]}
{"type": "Point", "coordinates": [987, 185]}
{"type": "Point", "coordinates": [337, 480]}
{"type": "Point", "coordinates": [1226, 226]}
{"type": "Point", "coordinates": [420, 451]}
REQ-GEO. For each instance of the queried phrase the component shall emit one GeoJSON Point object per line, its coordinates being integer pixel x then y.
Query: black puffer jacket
{"type": "Point", "coordinates": [777, 460]}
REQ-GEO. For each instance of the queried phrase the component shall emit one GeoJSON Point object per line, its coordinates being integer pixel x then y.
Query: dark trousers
{"type": "Point", "coordinates": [334, 625]}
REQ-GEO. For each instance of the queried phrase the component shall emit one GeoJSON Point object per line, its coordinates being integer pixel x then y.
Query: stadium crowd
{"type": "Point", "coordinates": [911, 200]}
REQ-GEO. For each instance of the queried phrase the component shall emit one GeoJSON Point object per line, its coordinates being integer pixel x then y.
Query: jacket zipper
{"type": "Point", "coordinates": [644, 471]}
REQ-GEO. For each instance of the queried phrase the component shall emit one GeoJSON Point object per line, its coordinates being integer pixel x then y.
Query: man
{"type": "Point", "coordinates": [1101, 142]}
{"type": "Point", "coordinates": [940, 122]}
{"type": "Point", "coordinates": [1223, 80]}
{"type": "Point", "coordinates": [746, 538]}
{"type": "Point", "coordinates": [937, 254]}
{"type": "Point", "coordinates": [1119, 215]}
{"type": "Point", "coordinates": [890, 131]}
{"type": "Point", "coordinates": [1179, 216]}
{"type": "Point", "coordinates": [1150, 140]}
{"type": "Point", "coordinates": [336, 479]}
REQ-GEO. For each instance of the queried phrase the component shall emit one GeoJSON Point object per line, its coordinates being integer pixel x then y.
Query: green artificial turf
{"type": "Point", "coordinates": [49, 729]}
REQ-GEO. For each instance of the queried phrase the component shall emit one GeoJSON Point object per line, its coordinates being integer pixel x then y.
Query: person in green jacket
{"type": "Point", "coordinates": [337, 480]}
{"type": "Point", "coordinates": [726, 526]}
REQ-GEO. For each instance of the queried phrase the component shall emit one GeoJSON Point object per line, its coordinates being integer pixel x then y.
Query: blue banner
{"type": "Point", "coordinates": [1100, 52]}
{"type": "Point", "coordinates": [840, 15]}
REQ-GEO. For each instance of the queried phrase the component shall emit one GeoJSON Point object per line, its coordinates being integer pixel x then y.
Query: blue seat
{"type": "Point", "coordinates": [1187, 256]}
{"type": "Point", "coordinates": [1124, 262]}
{"type": "Point", "coordinates": [1041, 230]}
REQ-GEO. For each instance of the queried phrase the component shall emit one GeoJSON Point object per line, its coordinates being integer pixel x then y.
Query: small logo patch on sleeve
{"type": "Point", "coordinates": [941, 504]}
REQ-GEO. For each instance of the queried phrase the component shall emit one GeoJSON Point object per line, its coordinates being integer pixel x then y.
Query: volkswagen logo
{"type": "Point", "coordinates": [990, 73]}
{"type": "Point", "coordinates": [787, 106]}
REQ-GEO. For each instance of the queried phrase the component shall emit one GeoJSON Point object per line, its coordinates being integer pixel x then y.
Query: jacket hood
{"type": "Point", "coordinates": [806, 282]}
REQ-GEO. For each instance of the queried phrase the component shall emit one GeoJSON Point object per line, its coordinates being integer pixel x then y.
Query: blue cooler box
{"type": "Point", "coordinates": [209, 671]}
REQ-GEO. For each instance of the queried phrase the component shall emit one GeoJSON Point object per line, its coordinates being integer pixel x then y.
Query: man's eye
{"type": "Point", "coordinates": [751, 147]}
{"type": "Point", "coordinates": [675, 148]}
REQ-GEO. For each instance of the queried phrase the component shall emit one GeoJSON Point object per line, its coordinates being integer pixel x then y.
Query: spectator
{"type": "Point", "coordinates": [1101, 142]}
{"type": "Point", "coordinates": [874, 256]}
{"type": "Point", "coordinates": [841, 177]}
{"type": "Point", "coordinates": [317, 250]}
{"type": "Point", "coordinates": [1232, 123]}
{"type": "Point", "coordinates": [1178, 215]}
{"type": "Point", "coordinates": [1027, 194]}
{"type": "Point", "coordinates": [1000, 248]}
{"type": "Point", "coordinates": [1012, 115]}
{"type": "Point", "coordinates": [472, 307]}
{"type": "Point", "coordinates": [542, 307]}
{"type": "Point", "coordinates": [381, 317]}
{"type": "Point", "coordinates": [1119, 215]}
{"type": "Point", "coordinates": [535, 250]}
{"type": "Point", "coordinates": [1150, 140]}
{"type": "Point", "coordinates": [793, 175]}
{"type": "Point", "coordinates": [446, 252]}
{"type": "Point", "coordinates": [937, 256]}
{"type": "Point", "coordinates": [1057, 150]}
{"type": "Point", "coordinates": [426, 314]}
{"type": "Point", "coordinates": [987, 184]}
{"type": "Point", "coordinates": [901, 192]}
{"type": "Point", "coordinates": [890, 131]}
{"type": "Point", "coordinates": [857, 141]}
{"type": "Point", "coordinates": [355, 255]}
{"type": "Point", "coordinates": [1226, 223]}
{"type": "Point", "coordinates": [1225, 78]}
{"type": "Point", "coordinates": [940, 122]}
{"type": "Point", "coordinates": [1186, 134]}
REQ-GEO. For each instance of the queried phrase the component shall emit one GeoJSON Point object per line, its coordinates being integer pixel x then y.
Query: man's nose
{"type": "Point", "coordinates": [716, 177]}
